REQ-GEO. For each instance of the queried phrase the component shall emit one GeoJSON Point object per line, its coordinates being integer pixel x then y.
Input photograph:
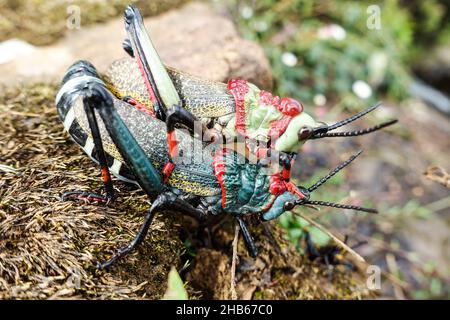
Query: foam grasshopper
{"type": "Point", "coordinates": [127, 122]}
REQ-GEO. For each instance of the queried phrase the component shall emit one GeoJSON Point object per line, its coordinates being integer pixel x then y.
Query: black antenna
{"type": "Point", "coordinates": [356, 132]}
{"type": "Point", "coordinates": [340, 206]}
{"type": "Point", "coordinates": [355, 117]}
{"type": "Point", "coordinates": [333, 172]}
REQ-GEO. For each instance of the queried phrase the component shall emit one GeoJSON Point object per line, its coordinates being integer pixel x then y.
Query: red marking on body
{"type": "Point", "coordinates": [286, 174]}
{"type": "Point", "coordinates": [269, 205]}
{"type": "Point", "coordinates": [167, 170]}
{"type": "Point", "coordinates": [105, 175]}
{"type": "Point", "coordinates": [292, 188]}
{"type": "Point", "coordinates": [265, 97]}
{"type": "Point", "coordinates": [239, 88]}
{"type": "Point", "coordinates": [290, 107]}
{"type": "Point", "coordinates": [219, 166]}
{"type": "Point", "coordinates": [262, 152]}
{"type": "Point", "coordinates": [278, 186]}
{"type": "Point", "coordinates": [148, 85]}
{"type": "Point", "coordinates": [89, 198]}
{"type": "Point", "coordinates": [287, 106]}
{"type": "Point", "coordinates": [173, 144]}
{"type": "Point", "coordinates": [141, 107]}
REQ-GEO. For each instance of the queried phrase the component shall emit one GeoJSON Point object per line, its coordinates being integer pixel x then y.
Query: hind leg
{"type": "Point", "coordinates": [148, 176]}
{"type": "Point", "coordinates": [106, 175]}
{"type": "Point", "coordinates": [166, 101]}
{"type": "Point", "coordinates": [77, 77]}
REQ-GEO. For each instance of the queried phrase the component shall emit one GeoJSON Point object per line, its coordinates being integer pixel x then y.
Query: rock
{"type": "Point", "coordinates": [11, 49]}
{"type": "Point", "coordinates": [193, 38]}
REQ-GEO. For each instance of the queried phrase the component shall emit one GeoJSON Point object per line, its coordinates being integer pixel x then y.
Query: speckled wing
{"type": "Point", "coordinates": [195, 175]}
{"type": "Point", "coordinates": [203, 98]}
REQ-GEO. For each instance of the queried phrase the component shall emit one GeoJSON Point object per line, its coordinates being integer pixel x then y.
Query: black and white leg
{"type": "Point", "coordinates": [101, 156]}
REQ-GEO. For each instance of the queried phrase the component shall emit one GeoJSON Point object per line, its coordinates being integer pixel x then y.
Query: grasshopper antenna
{"type": "Point", "coordinates": [306, 191]}
{"type": "Point", "coordinates": [341, 206]}
{"type": "Point", "coordinates": [307, 133]}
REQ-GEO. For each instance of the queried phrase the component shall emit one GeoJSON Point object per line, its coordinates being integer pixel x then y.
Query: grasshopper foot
{"type": "Point", "coordinates": [122, 252]}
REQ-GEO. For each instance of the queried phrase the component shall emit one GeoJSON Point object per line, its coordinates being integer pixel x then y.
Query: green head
{"type": "Point", "coordinates": [303, 127]}
{"type": "Point", "coordinates": [297, 132]}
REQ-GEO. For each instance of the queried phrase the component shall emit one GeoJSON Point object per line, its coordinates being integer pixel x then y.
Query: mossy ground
{"type": "Point", "coordinates": [49, 248]}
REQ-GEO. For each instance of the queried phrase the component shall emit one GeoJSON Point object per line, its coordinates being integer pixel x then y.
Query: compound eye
{"type": "Point", "coordinates": [304, 133]}
{"type": "Point", "coordinates": [288, 206]}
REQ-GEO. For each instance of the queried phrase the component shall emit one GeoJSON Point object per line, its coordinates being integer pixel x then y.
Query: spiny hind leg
{"type": "Point", "coordinates": [104, 169]}
{"type": "Point", "coordinates": [78, 76]}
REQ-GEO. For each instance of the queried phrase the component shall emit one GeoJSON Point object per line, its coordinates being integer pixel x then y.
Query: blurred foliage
{"type": "Point", "coordinates": [319, 49]}
{"type": "Point", "coordinates": [175, 287]}
{"type": "Point", "coordinates": [41, 22]}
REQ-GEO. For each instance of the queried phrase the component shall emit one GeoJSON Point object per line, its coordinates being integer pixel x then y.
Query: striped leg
{"type": "Point", "coordinates": [107, 182]}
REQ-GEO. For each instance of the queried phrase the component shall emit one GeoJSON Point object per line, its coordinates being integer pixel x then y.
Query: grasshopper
{"type": "Point", "coordinates": [129, 121]}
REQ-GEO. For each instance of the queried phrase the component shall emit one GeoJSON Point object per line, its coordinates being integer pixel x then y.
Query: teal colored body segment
{"type": "Point", "coordinates": [149, 177]}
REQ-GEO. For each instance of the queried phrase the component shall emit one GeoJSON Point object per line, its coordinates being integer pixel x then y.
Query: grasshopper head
{"type": "Point", "coordinates": [300, 126]}
{"type": "Point", "coordinates": [303, 127]}
{"type": "Point", "coordinates": [288, 201]}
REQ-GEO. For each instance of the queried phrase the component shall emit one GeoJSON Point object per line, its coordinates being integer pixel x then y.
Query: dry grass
{"type": "Point", "coordinates": [49, 248]}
